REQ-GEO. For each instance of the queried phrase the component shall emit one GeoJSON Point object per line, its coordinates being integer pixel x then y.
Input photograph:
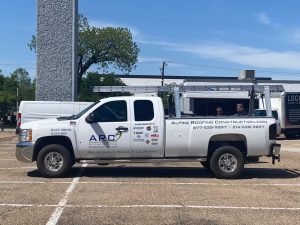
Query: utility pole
{"type": "Point", "coordinates": [17, 100]}
{"type": "Point", "coordinates": [162, 70]}
{"type": "Point", "coordinates": [18, 81]}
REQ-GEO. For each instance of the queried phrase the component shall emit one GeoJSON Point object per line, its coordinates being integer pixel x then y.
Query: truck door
{"type": "Point", "coordinates": [106, 133]}
{"type": "Point", "coordinates": [147, 128]}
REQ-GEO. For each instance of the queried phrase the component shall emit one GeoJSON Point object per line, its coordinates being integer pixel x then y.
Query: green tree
{"type": "Point", "coordinates": [20, 80]}
{"type": "Point", "coordinates": [24, 85]}
{"type": "Point", "coordinates": [107, 47]}
{"type": "Point", "coordinates": [7, 96]}
{"type": "Point", "coordinates": [95, 79]}
{"type": "Point", "coordinates": [1, 80]}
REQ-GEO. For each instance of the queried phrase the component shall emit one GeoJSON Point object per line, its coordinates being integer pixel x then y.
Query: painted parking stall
{"type": "Point", "coordinates": [150, 193]}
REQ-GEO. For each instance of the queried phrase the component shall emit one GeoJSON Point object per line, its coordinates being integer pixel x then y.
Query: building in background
{"type": "Point", "coordinates": [204, 103]}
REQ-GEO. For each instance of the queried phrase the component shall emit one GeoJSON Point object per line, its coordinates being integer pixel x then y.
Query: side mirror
{"type": "Point", "coordinates": [90, 118]}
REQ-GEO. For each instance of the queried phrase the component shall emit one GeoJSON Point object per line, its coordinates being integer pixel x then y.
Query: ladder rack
{"type": "Point", "coordinates": [176, 90]}
{"type": "Point", "coordinates": [187, 88]}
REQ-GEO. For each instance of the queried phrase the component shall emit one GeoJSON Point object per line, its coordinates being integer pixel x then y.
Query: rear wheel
{"type": "Point", "coordinates": [54, 161]}
{"type": "Point", "coordinates": [227, 162]}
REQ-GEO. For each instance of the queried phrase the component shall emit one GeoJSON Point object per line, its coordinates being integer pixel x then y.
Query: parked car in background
{"type": "Point", "coordinates": [30, 111]}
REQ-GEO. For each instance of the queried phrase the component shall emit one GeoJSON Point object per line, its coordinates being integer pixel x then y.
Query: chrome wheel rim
{"type": "Point", "coordinates": [227, 163]}
{"type": "Point", "coordinates": [53, 161]}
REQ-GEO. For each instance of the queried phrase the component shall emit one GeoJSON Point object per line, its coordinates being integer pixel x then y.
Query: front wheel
{"type": "Point", "coordinates": [227, 162]}
{"type": "Point", "coordinates": [54, 161]}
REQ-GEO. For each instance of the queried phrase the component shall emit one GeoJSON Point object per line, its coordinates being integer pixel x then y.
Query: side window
{"type": "Point", "coordinates": [143, 110]}
{"type": "Point", "coordinates": [115, 111]}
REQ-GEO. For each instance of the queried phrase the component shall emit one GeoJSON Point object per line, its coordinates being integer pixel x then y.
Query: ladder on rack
{"type": "Point", "coordinates": [264, 90]}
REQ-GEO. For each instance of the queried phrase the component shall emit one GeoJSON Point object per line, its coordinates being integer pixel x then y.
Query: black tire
{"type": "Point", "coordinates": [62, 161]}
{"type": "Point", "coordinates": [205, 164]}
{"type": "Point", "coordinates": [231, 171]}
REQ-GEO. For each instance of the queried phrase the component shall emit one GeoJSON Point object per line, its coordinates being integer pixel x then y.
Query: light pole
{"type": "Point", "coordinates": [162, 70]}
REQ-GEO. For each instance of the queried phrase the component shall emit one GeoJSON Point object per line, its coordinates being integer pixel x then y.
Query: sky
{"type": "Point", "coordinates": [194, 37]}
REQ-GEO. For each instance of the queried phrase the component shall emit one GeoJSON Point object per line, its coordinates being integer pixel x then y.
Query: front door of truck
{"type": "Point", "coordinates": [105, 133]}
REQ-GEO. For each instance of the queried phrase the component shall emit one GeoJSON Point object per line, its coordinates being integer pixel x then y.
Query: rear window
{"type": "Point", "coordinates": [264, 113]}
{"type": "Point", "coordinates": [143, 110]}
{"type": "Point", "coordinates": [260, 113]}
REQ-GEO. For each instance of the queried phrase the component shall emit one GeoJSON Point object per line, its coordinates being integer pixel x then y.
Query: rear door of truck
{"type": "Point", "coordinates": [147, 127]}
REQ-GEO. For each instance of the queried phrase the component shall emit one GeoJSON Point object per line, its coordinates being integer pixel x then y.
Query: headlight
{"type": "Point", "coordinates": [25, 135]}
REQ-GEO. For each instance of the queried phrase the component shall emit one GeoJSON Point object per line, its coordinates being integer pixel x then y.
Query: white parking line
{"type": "Point", "coordinates": [8, 159]}
{"type": "Point", "coordinates": [150, 183]}
{"type": "Point", "coordinates": [291, 172]}
{"type": "Point", "coordinates": [54, 221]}
{"type": "Point", "coordinates": [63, 202]}
{"type": "Point", "coordinates": [186, 183]}
{"type": "Point", "coordinates": [26, 205]}
{"type": "Point", "coordinates": [16, 168]}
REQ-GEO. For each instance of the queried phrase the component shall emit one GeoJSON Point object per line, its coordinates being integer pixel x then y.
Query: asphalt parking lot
{"type": "Point", "coordinates": [174, 193]}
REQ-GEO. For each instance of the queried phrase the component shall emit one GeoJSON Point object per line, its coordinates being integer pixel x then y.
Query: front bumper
{"type": "Point", "coordinates": [18, 130]}
{"type": "Point", "coordinates": [275, 152]}
{"type": "Point", "coordinates": [24, 151]}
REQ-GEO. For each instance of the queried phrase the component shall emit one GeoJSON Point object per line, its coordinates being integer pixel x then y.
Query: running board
{"type": "Point", "coordinates": [112, 161]}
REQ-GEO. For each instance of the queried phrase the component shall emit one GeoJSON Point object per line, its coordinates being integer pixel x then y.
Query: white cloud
{"type": "Point", "coordinates": [159, 61]}
{"type": "Point", "coordinates": [143, 59]}
{"type": "Point", "coordinates": [232, 53]}
{"type": "Point", "coordinates": [175, 64]}
{"type": "Point", "coordinates": [135, 33]}
{"type": "Point", "coordinates": [256, 57]}
{"type": "Point", "coordinates": [294, 36]}
{"type": "Point", "coordinates": [264, 19]}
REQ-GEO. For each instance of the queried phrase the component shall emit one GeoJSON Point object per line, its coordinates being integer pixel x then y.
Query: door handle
{"type": "Point", "coordinates": [122, 129]}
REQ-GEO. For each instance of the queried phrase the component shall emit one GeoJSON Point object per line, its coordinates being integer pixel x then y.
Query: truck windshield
{"type": "Point", "coordinates": [74, 117]}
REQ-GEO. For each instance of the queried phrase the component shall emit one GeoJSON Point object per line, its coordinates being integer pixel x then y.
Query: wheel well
{"type": "Point", "coordinates": [236, 140]}
{"type": "Point", "coordinates": [60, 140]}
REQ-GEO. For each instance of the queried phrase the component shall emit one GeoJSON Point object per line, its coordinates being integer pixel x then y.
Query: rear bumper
{"type": "Point", "coordinates": [275, 152]}
{"type": "Point", "coordinates": [275, 149]}
{"type": "Point", "coordinates": [24, 151]}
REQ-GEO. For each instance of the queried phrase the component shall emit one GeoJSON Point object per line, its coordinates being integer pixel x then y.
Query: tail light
{"type": "Point", "coordinates": [272, 131]}
{"type": "Point", "coordinates": [19, 120]}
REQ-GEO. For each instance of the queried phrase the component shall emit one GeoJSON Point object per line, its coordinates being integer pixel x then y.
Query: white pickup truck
{"type": "Point", "coordinates": [134, 129]}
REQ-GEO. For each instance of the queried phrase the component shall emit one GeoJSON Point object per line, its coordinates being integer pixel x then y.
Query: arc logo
{"type": "Point", "coordinates": [102, 137]}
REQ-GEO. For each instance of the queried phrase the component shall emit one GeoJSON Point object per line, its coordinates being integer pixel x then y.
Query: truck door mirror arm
{"type": "Point", "coordinates": [90, 118]}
